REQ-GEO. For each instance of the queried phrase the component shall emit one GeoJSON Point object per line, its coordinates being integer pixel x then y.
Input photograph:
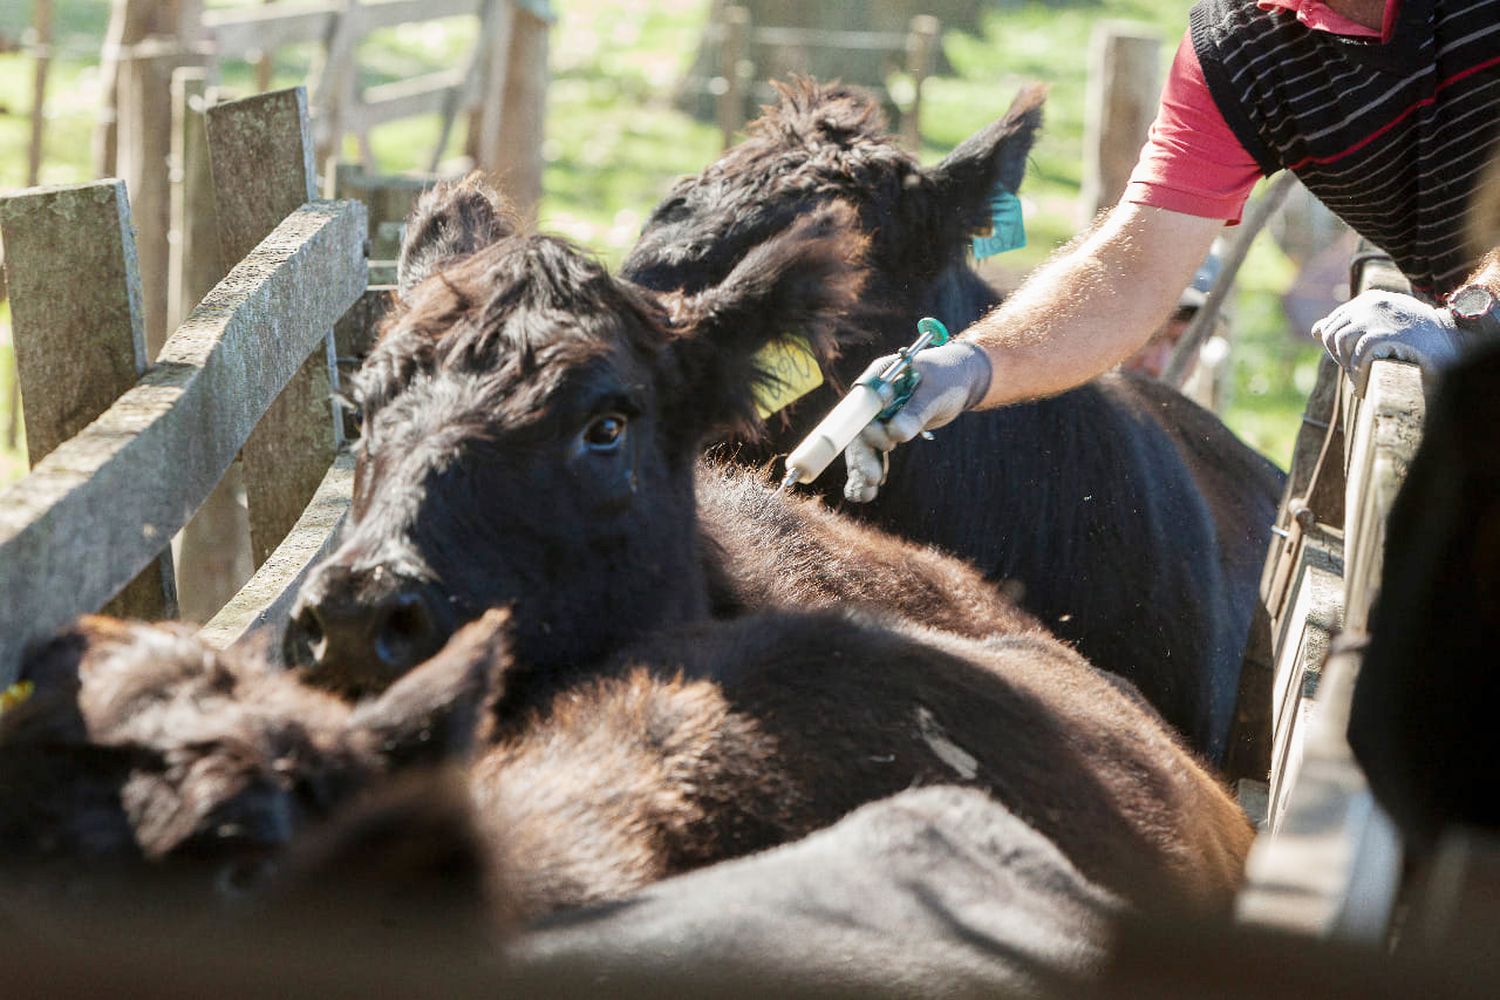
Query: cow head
{"type": "Point", "coordinates": [530, 425]}
{"type": "Point", "coordinates": [140, 745]}
{"type": "Point", "coordinates": [826, 143]}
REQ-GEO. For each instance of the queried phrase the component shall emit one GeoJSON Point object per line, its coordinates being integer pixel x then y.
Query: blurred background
{"type": "Point", "coordinates": [630, 104]}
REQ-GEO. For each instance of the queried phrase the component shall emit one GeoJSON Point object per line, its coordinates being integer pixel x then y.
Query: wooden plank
{"type": "Point", "coordinates": [846, 41]}
{"type": "Point", "coordinates": [355, 332]}
{"type": "Point", "coordinates": [1327, 499]}
{"type": "Point", "coordinates": [1386, 434]}
{"type": "Point", "coordinates": [213, 551]}
{"type": "Point", "coordinates": [1124, 87]}
{"type": "Point", "coordinates": [494, 23]}
{"type": "Point", "coordinates": [195, 262]}
{"type": "Point", "coordinates": [485, 113]}
{"type": "Point", "coordinates": [333, 94]}
{"type": "Point", "coordinates": [238, 33]}
{"type": "Point", "coordinates": [418, 95]}
{"type": "Point", "coordinates": [144, 147]}
{"type": "Point", "coordinates": [921, 59]}
{"type": "Point", "coordinates": [41, 30]}
{"type": "Point", "coordinates": [515, 157]}
{"type": "Point", "coordinates": [354, 335]}
{"type": "Point", "coordinates": [261, 157]}
{"type": "Point", "coordinates": [266, 600]}
{"type": "Point", "coordinates": [389, 13]}
{"type": "Point", "coordinates": [52, 235]}
{"type": "Point", "coordinates": [1333, 866]}
{"type": "Point", "coordinates": [1315, 616]}
{"type": "Point", "coordinates": [729, 85]}
{"type": "Point", "coordinates": [79, 344]}
{"type": "Point", "coordinates": [389, 200]}
{"type": "Point", "coordinates": [97, 509]}
{"type": "Point", "coordinates": [261, 152]}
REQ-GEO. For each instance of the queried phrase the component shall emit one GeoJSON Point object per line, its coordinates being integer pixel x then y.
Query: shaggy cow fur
{"type": "Point", "coordinates": [720, 739]}
{"type": "Point", "coordinates": [700, 744]}
{"type": "Point", "coordinates": [141, 746]}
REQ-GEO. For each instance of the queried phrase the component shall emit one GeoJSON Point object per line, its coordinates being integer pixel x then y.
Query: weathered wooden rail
{"type": "Point", "coordinates": [119, 477]}
{"type": "Point", "coordinates": [1328, 861]}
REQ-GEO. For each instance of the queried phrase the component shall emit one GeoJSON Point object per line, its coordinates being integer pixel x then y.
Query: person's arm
{"type": "Point", "coordinates": [1093, 305]}
{"type": "Point", "coordinates": [1077, 316]}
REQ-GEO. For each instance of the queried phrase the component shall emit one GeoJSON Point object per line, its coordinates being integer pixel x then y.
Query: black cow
{"type": "Point", "coordinates": [531, 432]}
{"type": "Point", "coordinates": [1135, 521]}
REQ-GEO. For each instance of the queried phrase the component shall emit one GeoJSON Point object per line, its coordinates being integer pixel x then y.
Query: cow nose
{"type": "Point", "coordinates": [357, 638]}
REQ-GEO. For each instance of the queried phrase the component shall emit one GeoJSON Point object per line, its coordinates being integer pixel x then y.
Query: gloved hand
{"type": "Point", "coordinates": [955, 378]}
{"type": "Point", "coordinates": [1380, 324]}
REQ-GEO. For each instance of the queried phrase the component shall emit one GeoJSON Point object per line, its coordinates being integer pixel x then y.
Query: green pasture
{"type": "Point", "coordinates": [615, 140]}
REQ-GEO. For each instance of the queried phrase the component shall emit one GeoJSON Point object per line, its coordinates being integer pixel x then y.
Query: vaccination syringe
{"type": "Point", "coordinates": [876, 397]}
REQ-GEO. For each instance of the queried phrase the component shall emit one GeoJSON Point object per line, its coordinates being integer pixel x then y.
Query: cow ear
{"type": "Point", "coordinates": [803, 282]}
{"type": "Point", "coordinates": [449, 223]}
{"type": "Point", "coordinates": [443, 709]}
{"type": "Point", "coordinates": [954, 200]}
{"type": "Point", "coordinates": [43, 706]}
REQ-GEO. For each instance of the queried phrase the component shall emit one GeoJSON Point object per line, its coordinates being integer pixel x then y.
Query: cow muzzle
{"type": "Point", "coordinates": [355, 631]}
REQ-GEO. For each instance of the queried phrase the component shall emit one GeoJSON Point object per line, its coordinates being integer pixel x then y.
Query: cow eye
{"type": "Point", "coordinates": [604, 433]}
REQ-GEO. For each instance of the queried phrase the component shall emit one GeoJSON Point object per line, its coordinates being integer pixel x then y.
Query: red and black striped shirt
{"type": "Point", "coordinates": [1393, 136]}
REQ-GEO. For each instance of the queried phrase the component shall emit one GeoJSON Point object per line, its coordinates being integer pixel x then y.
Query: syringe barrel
{"type": "Point", "coordinates": [818, 450]}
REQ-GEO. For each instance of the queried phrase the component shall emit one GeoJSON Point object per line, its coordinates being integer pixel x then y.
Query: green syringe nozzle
{"type": "Point", "coordinates": [928, 324]}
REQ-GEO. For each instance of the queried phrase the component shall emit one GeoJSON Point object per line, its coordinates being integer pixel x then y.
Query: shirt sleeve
{"type": "Point", "coordinates": [1192, 163]}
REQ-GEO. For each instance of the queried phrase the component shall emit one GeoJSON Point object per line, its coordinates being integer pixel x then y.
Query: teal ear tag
{"type": "Point", "coordinates": [1006, 232]}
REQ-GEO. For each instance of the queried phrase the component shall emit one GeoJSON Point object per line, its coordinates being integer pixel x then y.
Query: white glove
{"type": "Point", "coordinates": [1380, 324]}
{"type": "Point", "coordinates": [955, 378]}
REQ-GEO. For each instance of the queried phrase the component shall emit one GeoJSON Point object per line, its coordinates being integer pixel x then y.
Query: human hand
{"type": "Point", "coordinates": [954, 378]}
{"type": "Point", "coordinates": [1379, 324]}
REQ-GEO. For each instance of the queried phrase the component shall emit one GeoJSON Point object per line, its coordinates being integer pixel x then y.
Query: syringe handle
{"type": "Point", "coordinates": [818, 450]}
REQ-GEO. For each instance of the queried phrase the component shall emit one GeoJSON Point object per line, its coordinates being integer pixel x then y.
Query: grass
{"type": "Point", "coordinates": [615, 141]}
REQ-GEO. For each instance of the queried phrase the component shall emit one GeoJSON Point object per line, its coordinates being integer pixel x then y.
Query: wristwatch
{"type": "Point", "coordinates": [1476, 309]}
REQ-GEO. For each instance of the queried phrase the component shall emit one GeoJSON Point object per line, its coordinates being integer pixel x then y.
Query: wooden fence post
{"type": "Point", "coordinates": [1124, 89]}
{"type": "Point", "coordinates": [730, 87]}
{"type": "Point", "coordinates": [41, 29]}
{"type": "Point", "coordinates": [510, 148]}
{"type": "Point", "coordinates": [213, 555]}
{"type": "Point", "coordinates": [921, 55]}
{"type": "Point", "coordinates": [488, 114]}
{"type": "Point", "coordinates": [132, 22]}
{"type": "Point", "coordinates": [79, 331]}
{"type": "Point", "coordinates": [144, 149]}
{"type": "Point", "coordinates": [261, 152]}
{"type": "Point", "coordinates": [334, 91]}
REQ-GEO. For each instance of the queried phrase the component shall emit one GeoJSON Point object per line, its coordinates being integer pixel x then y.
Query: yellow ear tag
{"type": "Point", "coordinates": [793, 371]}
{"type": "Point", "coordinates": [15, 695]}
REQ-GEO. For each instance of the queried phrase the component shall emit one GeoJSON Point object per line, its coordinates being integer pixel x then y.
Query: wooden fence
{"type": "Point", "coordinates": [160, 64]}
{"type": "Point", "coordinates": [1328, 861]}
{"type": "Point", "coordinates": [500, 90]}
{"type": "Point", "coordinates": [124, 451]}
{"type": "Point", "coordinates": [748, 55]}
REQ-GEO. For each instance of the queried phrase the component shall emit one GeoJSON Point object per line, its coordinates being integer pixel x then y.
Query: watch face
{"type": "Point", "coordinates": [1471, 301]}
